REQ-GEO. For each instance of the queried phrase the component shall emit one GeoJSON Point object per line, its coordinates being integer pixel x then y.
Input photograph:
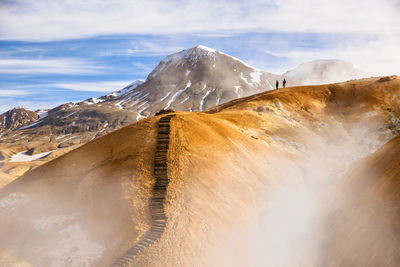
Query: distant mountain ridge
{"type": "Point", "coordinates": [325, 71]}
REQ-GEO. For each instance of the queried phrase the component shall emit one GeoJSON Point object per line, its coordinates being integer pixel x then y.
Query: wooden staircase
{"type": "Point", "coordinates": [157, 212]}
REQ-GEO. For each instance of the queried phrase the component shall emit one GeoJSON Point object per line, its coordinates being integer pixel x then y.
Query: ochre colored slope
{"type": "Point", "coordinates": [247, 183]}
{"type": "Point", "coordinates": [98, 192]}
{"type": "Point", "coordinates": [366, 227]}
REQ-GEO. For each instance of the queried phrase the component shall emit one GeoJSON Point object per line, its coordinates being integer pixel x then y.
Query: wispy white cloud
{"type": "Point", "coordinates": [40, 20]}
{"type": "Point", "coordinates": [23, 96]}
{"type": "Point", "coordinates": [31, 105]}
{"type": "Point", "coordinates": [145, 68]}
{"type": "Point", "coordinates": [143, 49]}
{"type": "Point", "coordinates": [43, 20]}
{"type": "Point", "coordinates": [146, 48]}
{"type": "Point", "coordinates": [12, 52]}
{"type": "Point", "coordinates": [50, 66]}
{"type": "Point", "coordinates": [377, 56]}
{"type": "Point", "coordinates": [29, 97]}
{"type": "Point", "coordinates": [105, 86]}
{"type": "Point", "coordinates": [13, 93]}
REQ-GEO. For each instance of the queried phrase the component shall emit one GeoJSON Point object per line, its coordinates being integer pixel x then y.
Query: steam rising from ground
{"type": "Point", "coordinates": [290, 228]}
{"type": "Point", "coordinates": [294, 226]}
{"type": "Point", "coordinates": [61, 236]}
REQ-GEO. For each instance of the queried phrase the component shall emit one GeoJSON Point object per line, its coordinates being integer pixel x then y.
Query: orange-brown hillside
{"type": "Point", "coordinates": [251, 183]}
{"type": "Point", "coordinates": [367, 212]}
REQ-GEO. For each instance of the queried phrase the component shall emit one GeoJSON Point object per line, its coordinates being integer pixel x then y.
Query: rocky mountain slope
{"type": "Point", "coordinates": [16, 118]}
{"type": "Point", "coordinates": [325, 71]}
{"type": "Point", "coordinates": [194, 79]}
{"type": "Point", "coordinates": [256, 175]}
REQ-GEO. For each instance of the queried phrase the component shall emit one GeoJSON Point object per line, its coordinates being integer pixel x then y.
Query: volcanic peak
{"type": "Point", "coordinates": [193, 54]}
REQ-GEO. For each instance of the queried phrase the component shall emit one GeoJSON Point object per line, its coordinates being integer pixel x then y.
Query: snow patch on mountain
{"type": "Point", "coordinates": [93, 100]}
{"type": "Point", "coordinates": [42, 113]}
{"type": "Point", "coordinates": [218, 101]}
{"type": "Point", "coordinates": [184, 100]}
{"type": "Point", "coordinates": [204, 98]}
{"type": "Point", "coordinates": [139, 115]}
{"type": "Point", "coordinates": [205, 48]}
{"type": "Point", "coordinates": [195, 54]}
{"type": "Point", "coordinates": [178, 94]}
{"type": "Point", "coordinates": [119, 104]}
{"type": "Point", "coordinates": [23, 157]}
{"type": "Point", "coordinates": [256, 77]}
{"type": "Point", "coordinates": [245, 79]}
{"type": "Point", "coordinates": [165, 97]}
{"type": "Point", "coordinates": [127, 89]}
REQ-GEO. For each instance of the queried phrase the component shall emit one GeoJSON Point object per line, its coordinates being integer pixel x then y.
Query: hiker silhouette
{"type": "Point", "coordinates": [277, 84]}
{"type": "Point", "coordinates": [284, 83]}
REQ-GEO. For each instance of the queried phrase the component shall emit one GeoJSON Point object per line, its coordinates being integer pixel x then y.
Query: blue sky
{"type": "Point", "coordinates": [52, 52]}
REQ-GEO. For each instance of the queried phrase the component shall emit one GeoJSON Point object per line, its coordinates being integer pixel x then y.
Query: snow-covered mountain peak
{"type": "Point", "coordinates": [192, 54]}
{"type": "Point", "coordinates": [199, 57]}
{"type": "Point", "coordinates": [205, 48]}
{"type": "Point", "coordinates": [195, 79]}
{"type": "Point", "coordinates": [197, 53]}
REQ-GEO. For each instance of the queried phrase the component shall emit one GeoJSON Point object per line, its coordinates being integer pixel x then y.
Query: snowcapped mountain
{"type": "Point", "coordinates": [325, 71]}
{"type": "Point", "coordinates": [194, 80]}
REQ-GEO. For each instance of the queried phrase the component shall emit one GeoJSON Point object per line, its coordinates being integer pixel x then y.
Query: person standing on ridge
{"type": "Point", "coordinates": [277, 84]}
{"type": "Point", "coordinates": [284, 82]}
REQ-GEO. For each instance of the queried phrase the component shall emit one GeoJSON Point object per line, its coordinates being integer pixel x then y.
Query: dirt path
{"type": "Point", "coordinates": [158, 217]}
